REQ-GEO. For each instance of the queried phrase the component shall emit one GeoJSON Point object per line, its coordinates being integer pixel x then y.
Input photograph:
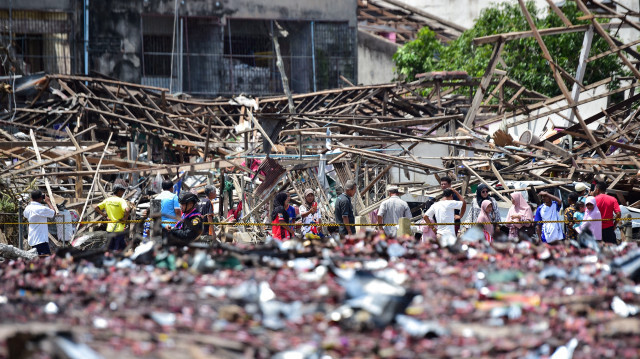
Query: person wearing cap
{"type": "Point", "coordinates": [391, 210]}
{"type": "Point", "coordinates": [170, 205]}
{"type": "Point", "coordinates": [206, 207]}
{"type": "Point", "coordinates": [582, 190]}
{"type": "Point", "coordinates": [116, 209]}
{"type": "Point", "coordinates": [310, 213]}
{"type": "Point", "coordinates": [36, 214]}
{"type": "Point", "coordinates": [191, 224]}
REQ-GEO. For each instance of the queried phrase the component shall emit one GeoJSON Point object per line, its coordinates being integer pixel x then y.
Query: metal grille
{"type": "Point", "coordinates": [239, 57]}
{"type": "Point", "coordinates": [39, 41]}
{"type": "Point", "coordinates": [314, 54]}
{"type": "Point", "coordinates": [335, 46]}
{"type": "Point", "coordinates": [198, 63]}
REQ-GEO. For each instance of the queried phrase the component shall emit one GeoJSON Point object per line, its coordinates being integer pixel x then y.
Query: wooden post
{"type": "Point", "coordinates": [46, 180]}
{"type": "Point", "coordinates": [582, 66]}
{"type": "Point", "coordinates": [95, 179]}
{"type": "Point", "coordinates": [285, 82]}
{"type": "Point", "coordinates": [79, 178]}
{"type": "Point", "coordinates": [206, 142]}
{"type": "Point", "coordinates": [556, 74]}
{"type": "Point", "coordinates": [484, 84]}
{"type": "Point", "coordinates": [221, 194]}
{"type": "Point", "coordinates": [468, 166]}
{"type": "Point", "coordinates": [155, 210]}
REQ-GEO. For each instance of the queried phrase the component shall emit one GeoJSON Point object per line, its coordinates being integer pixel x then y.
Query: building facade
{"type": "Point", "coordinates": [200, 47]}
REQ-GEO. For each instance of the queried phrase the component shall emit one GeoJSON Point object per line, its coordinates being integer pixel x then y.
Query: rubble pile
{"type": "Point", "coordinates": [383, 297]}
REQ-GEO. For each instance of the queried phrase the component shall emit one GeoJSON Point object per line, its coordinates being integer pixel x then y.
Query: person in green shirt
{"type": "Point", "coordinates": [115, 208]}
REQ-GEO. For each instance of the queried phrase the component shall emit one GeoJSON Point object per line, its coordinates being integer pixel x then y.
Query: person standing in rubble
{"type": "Point", "coordinates": [206, 207]}
{"type": "Point", "coordinates": [582, 191]}
{"type": "Point", "coordinates": [443, 212]}
{"type": "Point", "coordinates": [519, 212]}
{"type": "Point", "coordinates": [310, 213]}
{"type": "Point", "coordinates": [569, 215]}
{"type": "Point", "coordinates": [482, 193]}
{"type": "Point", "coordinates": [344, 209]}
{"type": "Point", "coordinates": [116, 209]}
{"type": "Point", "coordinates": [484, 221]}
{"type": "Point", "coordinates": [281, 216]}
{"type": "Point", "coordinates": [36, 214]}
{"type": "Point", "coordinates": [191, 224]}
{"type": "Point", "coordinates": [610, 211]}
{"type": "Point", "coordinates": [549, 211]}
{"type": "Point", "coordinates": [591, 219]}
{"type": "Point", "coordinates": [445, 182]}
{"type": "Point", "coordinates": [391, 210]}
{"type": "Point", "coordinates": [169, 203]}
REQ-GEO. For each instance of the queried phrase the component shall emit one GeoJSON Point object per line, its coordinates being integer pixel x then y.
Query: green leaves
{"type": "Point", "coordinates": [523, 57]}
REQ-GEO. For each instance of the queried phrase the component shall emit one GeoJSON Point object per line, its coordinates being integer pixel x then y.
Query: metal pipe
{"type": "Point", "coordinates": [230, 56]}
{"type": "Point", "coordinates": [313, 54]}
{"type": "Point", "coordinates": [86, 37]}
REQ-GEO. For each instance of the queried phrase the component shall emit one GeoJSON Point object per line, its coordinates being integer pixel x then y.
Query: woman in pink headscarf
{"type": "Point", "coordinates": [592, 212]}
{"type": "Point", "coordinates": [484, 217]}
{"type": "Point", "coordinates": [520, 211]}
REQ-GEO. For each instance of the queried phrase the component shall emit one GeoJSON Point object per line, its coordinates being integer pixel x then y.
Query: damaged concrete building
{"type": "Point", "coordinates": [204, 48]}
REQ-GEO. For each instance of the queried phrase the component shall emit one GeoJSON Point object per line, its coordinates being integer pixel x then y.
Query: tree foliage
{"type": "Point", "coordinates": [523, 57]}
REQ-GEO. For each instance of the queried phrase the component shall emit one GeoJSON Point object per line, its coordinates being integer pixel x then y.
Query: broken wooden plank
{"type": "Point", "coordinates": [41, 165]}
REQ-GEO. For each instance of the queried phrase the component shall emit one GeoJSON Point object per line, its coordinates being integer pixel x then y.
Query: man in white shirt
{"type": "Point", "coordinates": [443, 211]}
{"type": "Point", "coordinates": [391, 210]}
{"type": "Point", "coordinates": [37, 213]}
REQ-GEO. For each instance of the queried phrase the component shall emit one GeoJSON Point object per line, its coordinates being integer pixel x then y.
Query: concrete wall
{"type": "Point", "coordinates": [38, 5]}
{"type": "Point", "coordinates": [397, 174]}
{"type": "Point", "coordinates": [116, 39]}
{"type": "Point", "coordinates": [464, 12]}
{"type": "Point", "coordinates": [328, 10]}
{"type": "Point", "coordinates": [375, 64]}
{"type": "Point", "coordinates": [541, 126]}
{"type": "Point", "coordinates": [629, 34]}
{"type": "Point", "coordinates": [461, 12]}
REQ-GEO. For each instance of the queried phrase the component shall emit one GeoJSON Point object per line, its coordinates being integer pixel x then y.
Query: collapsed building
{"type": "Point", "coordinates": [92, 131]}
{"type": "Point", "coordinates": [78, 135]}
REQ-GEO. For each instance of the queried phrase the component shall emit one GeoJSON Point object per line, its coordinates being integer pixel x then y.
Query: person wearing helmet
{"type": "Point", "coordinates": [116, 209]}
{"type": "Point", "coordinates": [191, 224]}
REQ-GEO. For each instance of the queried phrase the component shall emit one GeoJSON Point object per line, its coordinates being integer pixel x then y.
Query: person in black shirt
{"type": "Point", "coordinates": [190, 226]}
{"type": "Point", "coordinates": [206, 207]}
{"type": "Point", "coordinates": [344, 210]}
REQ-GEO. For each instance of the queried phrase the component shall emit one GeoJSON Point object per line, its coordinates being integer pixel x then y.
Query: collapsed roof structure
{"type": "Point", "coordinates": [407, 134]}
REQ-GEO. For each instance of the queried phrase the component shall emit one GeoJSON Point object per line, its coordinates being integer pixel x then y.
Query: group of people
{"type": "Point", "coordinates": [596, 212]}
{"type": "Point", "coordinates": [284, 214]}
{"type": "Point", "coordinates": [588, 211]}
{"type": "Point", "coordinates": [183, 217]}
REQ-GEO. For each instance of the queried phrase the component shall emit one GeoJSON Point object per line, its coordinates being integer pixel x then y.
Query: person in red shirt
{"type": "Point", "coordinates": [608, 207]}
